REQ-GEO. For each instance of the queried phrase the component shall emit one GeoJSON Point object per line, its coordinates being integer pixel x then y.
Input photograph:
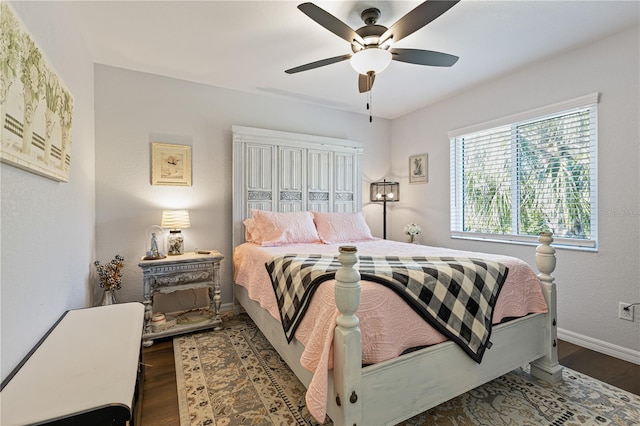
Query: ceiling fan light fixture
{"type": "Point", "coordinates": [370, 60]}
{"type": "Point", "coordinates": [371, 40]}
{"type": "Point", "coordinates": [385, 43]}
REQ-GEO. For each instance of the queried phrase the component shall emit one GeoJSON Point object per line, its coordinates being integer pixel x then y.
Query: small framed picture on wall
{"type": "Point", "coordinates": [170, 164]}
{"type": "Point", "coordinates": [419, 168]}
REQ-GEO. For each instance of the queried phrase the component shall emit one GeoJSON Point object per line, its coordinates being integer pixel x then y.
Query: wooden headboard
{"type": "Point", "coordinates": [284, 172]}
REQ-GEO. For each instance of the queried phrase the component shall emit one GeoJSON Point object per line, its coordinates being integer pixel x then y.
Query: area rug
{"type": "Point", "coordinates": [235, 377]}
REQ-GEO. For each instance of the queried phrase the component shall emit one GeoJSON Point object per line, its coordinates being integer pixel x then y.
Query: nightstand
{"type": "Point", "coordinates": [177, 273]}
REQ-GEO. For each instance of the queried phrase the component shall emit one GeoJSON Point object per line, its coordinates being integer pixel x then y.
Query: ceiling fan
{"type": "Point", "coordinates": [371, 44]}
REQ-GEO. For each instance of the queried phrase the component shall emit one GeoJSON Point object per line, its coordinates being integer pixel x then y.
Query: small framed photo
{"type": "Point", "coordinates": [419, 168]}
{"type": "Point", "coordinates": [170, 164]}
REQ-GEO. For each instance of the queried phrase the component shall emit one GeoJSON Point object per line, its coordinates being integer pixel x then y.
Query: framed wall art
{"type": "Point", "coordinates": [170, 164]}
{"type": "Point", "coordinates": [419, 168]}
{"type": "Point", "coordinates": [36, 109]}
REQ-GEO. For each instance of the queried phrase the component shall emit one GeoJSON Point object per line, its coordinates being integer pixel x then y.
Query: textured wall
{"type": "Point", "coordinates": [48, 227]}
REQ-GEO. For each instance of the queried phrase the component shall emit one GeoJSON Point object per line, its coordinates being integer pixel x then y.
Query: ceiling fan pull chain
{"type": "Point", "coordinates": [370, 105]}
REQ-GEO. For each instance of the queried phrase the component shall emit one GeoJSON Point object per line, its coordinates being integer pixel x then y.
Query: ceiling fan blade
{"type": "Point", "coordinates": [318, 64]}
{"type": "Point", "coordinates": [330, 22]}
{"type": "Point", "coordinates": [416, 19]}
{"type": "Point", "coordinates": [423, 57]}
{"type": "Point", "coordinates": [365, 82]}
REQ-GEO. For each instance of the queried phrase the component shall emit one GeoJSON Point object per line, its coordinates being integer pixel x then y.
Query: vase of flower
{"type": "Point", "coordinates": [109, 298]}
{"type": "Point", "coordinates": [412, 230]}
{"type": "Point", "coordinates": [110, 279]}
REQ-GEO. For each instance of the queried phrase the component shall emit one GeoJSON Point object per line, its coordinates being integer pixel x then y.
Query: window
{"type": "Point", "coordinates": [531, 172]}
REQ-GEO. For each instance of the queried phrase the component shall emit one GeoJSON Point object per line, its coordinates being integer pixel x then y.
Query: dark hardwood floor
{"type": "Point", "coordinates": [622, 374]}
{"type": "Point", "coordinates": [160, 396]}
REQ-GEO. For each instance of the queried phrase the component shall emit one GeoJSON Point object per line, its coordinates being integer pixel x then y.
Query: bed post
{"type": "Point", "coordinates": [547, 368]}
{"type": "Point", "coordinates": [347, 363]}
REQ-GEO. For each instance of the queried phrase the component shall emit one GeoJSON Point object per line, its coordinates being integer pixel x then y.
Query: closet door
{"type": "Point", "coordinates": [344, 181]}
{"type": "Point", "coordinates": [259, 170]}
{"type": "Point", "coordinates": [291, 173]}
{"type": "Point", "coordinates": [319, 165]}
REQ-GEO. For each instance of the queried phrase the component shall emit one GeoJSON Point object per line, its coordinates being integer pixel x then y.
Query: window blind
{"type": "Point", "coordinates": [539, 173]}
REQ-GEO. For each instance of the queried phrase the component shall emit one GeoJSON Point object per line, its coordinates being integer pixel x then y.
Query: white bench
{"type": "Point", "coordinates": [83, 372]}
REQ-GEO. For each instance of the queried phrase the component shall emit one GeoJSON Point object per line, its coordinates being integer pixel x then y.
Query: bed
{"type": "Point", "coordinates": [288, 173]}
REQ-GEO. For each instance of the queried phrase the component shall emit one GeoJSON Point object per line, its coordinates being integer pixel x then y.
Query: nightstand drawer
{"type": "Point", "coordinates": [197, 275]}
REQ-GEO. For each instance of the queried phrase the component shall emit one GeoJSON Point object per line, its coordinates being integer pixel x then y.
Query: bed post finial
{"type": "Point", "coordinates": [347, 372]}
{"type": "Point", "coordinates": [347, 287]}
{"type": "Point", "coordinates": [548, 368]}
{"type": "Point", "coordinates": [545, 257]}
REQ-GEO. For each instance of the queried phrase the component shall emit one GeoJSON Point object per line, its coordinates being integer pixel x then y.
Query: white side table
{"type": "Point", "coordinates": [176, 273]}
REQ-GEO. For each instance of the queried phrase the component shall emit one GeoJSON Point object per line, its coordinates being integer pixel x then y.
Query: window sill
{"type": "Point", "coordinates": [558, 243]}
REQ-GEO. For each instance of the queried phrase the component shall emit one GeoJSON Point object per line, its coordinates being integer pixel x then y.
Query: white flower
{"type": "Point", "coordinates": [412, 229]}
{"type": "Point", "coordinates": [111, 273]}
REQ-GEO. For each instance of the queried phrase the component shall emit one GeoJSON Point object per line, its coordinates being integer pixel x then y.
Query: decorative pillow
{"type": "Point", "coordinates": [342, 227]}
{"type": "Point", "coordinates": [275, 228]}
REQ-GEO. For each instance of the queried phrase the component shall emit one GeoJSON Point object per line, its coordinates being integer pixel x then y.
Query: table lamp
{"type": "Point", "coordinates": [175, 220]}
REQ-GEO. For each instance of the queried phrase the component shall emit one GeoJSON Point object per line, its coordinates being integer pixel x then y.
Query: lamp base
{"type": "Point", "coordinates": [175, 241]}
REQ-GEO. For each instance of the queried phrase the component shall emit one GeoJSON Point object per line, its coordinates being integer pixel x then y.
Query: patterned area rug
{"type": "Point", "coordinates": [235, 377]}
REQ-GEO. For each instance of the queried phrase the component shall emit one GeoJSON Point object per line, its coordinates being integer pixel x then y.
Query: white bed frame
{"type": "Point", "coordinates": [397, 389]}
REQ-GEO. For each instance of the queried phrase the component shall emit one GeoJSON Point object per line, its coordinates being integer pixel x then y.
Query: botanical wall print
{"type": "Point", "coordinates": [170, 164]}
{"type": "Point", "coordinates": [36, 109]}
{"type": "Point", "coordinates": [418, 168]}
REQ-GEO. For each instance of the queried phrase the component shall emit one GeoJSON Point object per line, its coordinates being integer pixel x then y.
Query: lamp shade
{"type": "Point", "coordinates": [372, 59]}
{"type": "Point", "coordinates": [175, 219]}
{"type": "Point", "coordinates": [385, 191]}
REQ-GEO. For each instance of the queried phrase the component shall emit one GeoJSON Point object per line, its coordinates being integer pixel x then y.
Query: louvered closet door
{"type": "Point", "coordinates": [260, 168]}
{"type": "Point", "coordinates": [291, 172]}
{"type": "Point", "coordinates": [319, 180]}
{"type": "Point", "coordinates": [344, 181]}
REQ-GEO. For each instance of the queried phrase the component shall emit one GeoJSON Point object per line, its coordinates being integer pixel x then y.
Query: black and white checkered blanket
{"type": "Point", "coordinates": [455, 295]}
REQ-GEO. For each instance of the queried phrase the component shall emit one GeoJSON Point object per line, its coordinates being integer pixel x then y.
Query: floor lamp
{"type": "Point", "coordinates": [385, 192]}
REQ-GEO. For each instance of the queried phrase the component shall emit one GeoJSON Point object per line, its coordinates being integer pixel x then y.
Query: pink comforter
{"type": "Point", "coordinates": [388, 325]}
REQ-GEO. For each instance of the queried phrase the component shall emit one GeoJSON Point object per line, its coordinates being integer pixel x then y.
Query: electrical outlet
{"type": "Point", "coordinates": [625, 314]}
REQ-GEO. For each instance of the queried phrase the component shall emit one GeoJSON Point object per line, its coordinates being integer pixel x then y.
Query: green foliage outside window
{"type": "Point", "coordinates": [530, 177]}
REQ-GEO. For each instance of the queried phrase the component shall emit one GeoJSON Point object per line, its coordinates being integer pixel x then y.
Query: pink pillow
{"type": "Point", "coordinates": [275, 228]}
{"type": "Point", "coordinates": [342, 227]}
{"type": "Point", "coordinates": [251, 233]}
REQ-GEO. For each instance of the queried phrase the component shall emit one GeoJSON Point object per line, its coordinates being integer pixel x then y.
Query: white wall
{"type": "Point", "coordinates": [590, 285]}
{"type": "Point", "coordinates": [134, 109]}
{"type": "Point", "coordinates": [48, 227]}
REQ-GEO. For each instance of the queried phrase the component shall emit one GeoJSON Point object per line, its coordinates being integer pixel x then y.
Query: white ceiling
{"type": "Point", "coordinates": [247, 45]}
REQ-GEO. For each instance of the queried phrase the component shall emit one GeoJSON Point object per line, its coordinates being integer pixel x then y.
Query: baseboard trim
{"type": "Point", "coordinates": [225, 307]}
{"type": "Point", "coordinates": [606, 348]}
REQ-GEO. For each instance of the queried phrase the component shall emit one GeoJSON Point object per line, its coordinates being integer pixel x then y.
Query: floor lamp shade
{"type": "Point", "coordinates": [384, 192]}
